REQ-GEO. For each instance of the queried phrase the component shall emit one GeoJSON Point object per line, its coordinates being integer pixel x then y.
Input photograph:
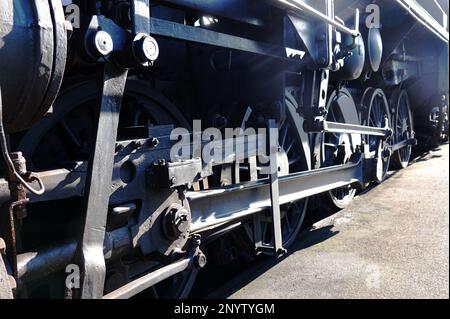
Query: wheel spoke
{"type": "Point", "coordinates": [294, 160]}
{"type": "Point", "coordinates": [289, 147]}
{"type": "Point", "coordinates": [285, 133]}
{"type": "Point", "coordinates": [69, 133]}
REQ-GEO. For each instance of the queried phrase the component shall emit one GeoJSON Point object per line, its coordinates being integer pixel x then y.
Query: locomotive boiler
{"type": "Point", "coordinates": [135, 134]}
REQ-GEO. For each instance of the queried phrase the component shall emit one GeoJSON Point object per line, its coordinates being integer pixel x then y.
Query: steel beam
{"type": "Point", "coordinates": [404, 143]}
{"type": "Point", "coordinates": [342, 128]}
{"type": "Point", "coordinates": [183, 32]}
{"type": "Point", "coordinates": [214, 207]}
{"type": "Point", "coordinates": [301, 7]}
{"type": "Point", "coordinates": [272, 143]}
{"type": "Point", "coordinates": [98, 188]}
{"type": "Point", "coordinates": [136, 286]}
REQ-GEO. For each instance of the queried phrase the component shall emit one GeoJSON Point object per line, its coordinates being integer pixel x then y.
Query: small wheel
{"type": "Point", "coordinates": [403, 128]}
{"type": "Point", "coordinates": [336, 149]}
{"type": "Point", "coordinates": [377, 114]}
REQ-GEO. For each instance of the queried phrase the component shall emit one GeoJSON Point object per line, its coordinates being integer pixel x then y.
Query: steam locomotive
{"type": "Point", "coordinates": [95, 95]}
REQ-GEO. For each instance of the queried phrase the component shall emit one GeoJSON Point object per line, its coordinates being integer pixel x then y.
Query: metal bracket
{"type": "Point", "coordinates": [90, 249]}
{"type": "Point", "coordinates": [272, 139]}
{"type": "Point", "coordinates": [174, 174]}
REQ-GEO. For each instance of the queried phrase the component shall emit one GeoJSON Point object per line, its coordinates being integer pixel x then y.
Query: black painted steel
{"type": "Point", "coordinates": [32, 59]}
{"type": "Point", "coordinates": [99, 175]}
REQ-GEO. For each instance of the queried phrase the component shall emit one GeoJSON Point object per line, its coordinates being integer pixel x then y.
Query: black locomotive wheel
{"type": "Point", "coordinates": [67, 134]}
{"type": "Point", "coordinates": [403, 128]}
{"type": "Point", "coordinates": [336, 149]}
{"type": "Point", "coordinates": [294, 156]}
{"type": "Point", "coordinates": [377, 114]}
{"type": "Point", "coordinates": [66, 137]}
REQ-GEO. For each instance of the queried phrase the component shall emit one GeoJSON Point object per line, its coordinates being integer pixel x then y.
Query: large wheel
{"type": "Point", "coordinates": [402, 124]}
{"type": "Point", "coordinates": [336, 149]}
{"type": "Point", "coordinates": [376, 114]}
{"type": "Point", "coordinates": [294, 156]}
{"type": "Point", "coordinates": [67, 135]}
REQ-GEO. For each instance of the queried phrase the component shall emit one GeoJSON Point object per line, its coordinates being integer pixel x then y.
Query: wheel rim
{"type": "Point", "coordinates": [403, 127]}
{"type": "Point", "coordinates": [336, 149]}
{"type": "Point", "coordinates": [72, 124]}
{"type": "Point", "coordinates": [377, 110]}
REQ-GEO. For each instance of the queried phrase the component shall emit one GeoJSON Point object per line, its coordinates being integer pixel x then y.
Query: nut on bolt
{"type": "Point", "coordinates": [176, 222]}
{"type": "Point", "coordinates": [200, 260]}
{"type": "Point", "coordinates": [145, 49]}
{"type": "Point", "coordinates": [136, 144]}
{"type": "Point", "coordinates": [153, 142]}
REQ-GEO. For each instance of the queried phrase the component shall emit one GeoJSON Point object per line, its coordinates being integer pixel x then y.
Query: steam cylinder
{"type": "Point", "coordinates": [33, 51]}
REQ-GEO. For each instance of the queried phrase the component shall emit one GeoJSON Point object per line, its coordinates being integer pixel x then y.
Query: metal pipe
{"type": "Point", "coordinates": [38, 264]}
{"type": "Point", "coordinates": [342, 128]}
{"type": "Point", "coordinates": [299, 6]}
{"type": "Point", "coordinates": [136, 286]}
{"type": "Point", "coordinates": [404, 143]}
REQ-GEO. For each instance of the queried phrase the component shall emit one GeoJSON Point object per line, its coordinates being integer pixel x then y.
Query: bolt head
{"type": "Point", "coordinates": [119, 147]}
{"type": "Point", "coordinates": [200, 260]}
{"type": "Point", "coordinates": [154, 142]}
{"type": "Point", "coordinates": [176, 222]}
{"type": "Point", "coordinates": [145, 48]}
{"type": "Point", "coordinates": [103, 43]}
{"type": "Point", "coordinates": [181, 221]}
{"type": "Point", "coordinates": [136, 144]}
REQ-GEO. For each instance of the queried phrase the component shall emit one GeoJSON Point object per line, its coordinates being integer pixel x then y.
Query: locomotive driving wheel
{"type": "Point", "coordinates": [294, 156]}
{"type": "Point", "coordinates": [336, 149]}
{"type": "Point", "coordinates": [402, 123]}
{"type": "Point", "coordinates": [376, 114]}
{"type": "Point", "coordinates": [66, 137]}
